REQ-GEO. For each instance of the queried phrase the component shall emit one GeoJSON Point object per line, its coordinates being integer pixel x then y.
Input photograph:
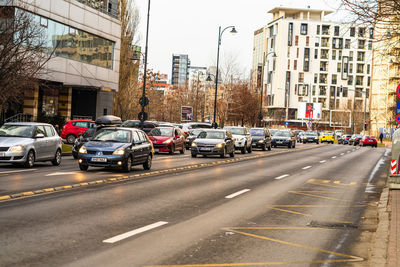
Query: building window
{"type": "Point", "coordinates": [306, 65]}
{"type": "Point", "coordinates": [301, 77]}
{"type": "Point", "coordinates": [371, 33]}
{"type": "Point", "coordinates": [359, 80]}
{"type": "Point", "coordinates": [352, 31]}
{"type": "Point", "coordinates": [317, 39]}
{"type": "Point", "coordinates": [323, 66]}
{"type": "Point", "coordinates": [360, 56]}
{"type": "Point", "coordinates": [323, 78]}
{"type": "Point", "coordinates": [315, 53]}
{"type": "Point", "coordinates": [360, 68]}
{"type": "Point", "coordinates": [333, 54]}
{"type": "Point", "coordinates": [44, 22]}
{"type": "Point", "coordinates": [295, 65]}
{"type": "Point", "coordinates": [324, 53]}
{"type": "Point", "coordinates": [368, 68]}
{"type": "Point", "coordinates": [318, 29]}
{"type": "Point", "coordinates": [369, 81]}
{"type": "Point", "coordinates": [361, 32]}
{"type": "Point", "coordinates": [337, 30]}
{"type": "Point", "coordinates": [347, 44]}
{"type": "Point", "coordinates": [297, 53]}
{"type": "Point", "coordinates": [314, 90]}
{"type": "Point", "coordinates": [345, 92]}
{"type": "Point", "coordinates": [288, 52]}
{"type": "Point", "coordinates": [351, 68]}
{"type": "Point", "coordinates": [334, 79]}
{"type": "Point", "coordinates": [315, 78]}
{"type": "Point", "coordinates": [325, 42]}
{"type": "Point", "coordinates": [367, 93]}
{"type": "Point", "coordinates": [361, 44]}
{"type": "Point", "coordinates": [296, 42]}
{"type": "Point", "coordinates": [304, 28]}
{"type": "Point", "coordinates": [339, 67]}
{"type": "Point", "coordinates": [351, 56]}
{"type": "Point", "coordinates": [272, 43]}
{"type": "Point", "coordinates": [288, 64]}
{"type": "Point", "coordinates": [322, 90]}
{"type": "Point", "coordinates": [325, 29]}
{"type": "Point", "coordinates": [358, 92]}
{"type": "Point", "coordinates": [369, 45]}
{"type": "Point", "coordinates": [340, 55]}
{"type": "Point", "coordinates": [332, 91]}
{"type": "Point", "coordinates": [290, 34]}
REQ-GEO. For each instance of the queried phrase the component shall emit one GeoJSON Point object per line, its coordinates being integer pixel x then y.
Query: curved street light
{"type": "Point", "coordinates": [233, 31]}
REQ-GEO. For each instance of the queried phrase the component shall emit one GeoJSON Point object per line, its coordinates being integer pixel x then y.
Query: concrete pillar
{"type": "Point", "coordinates": [65, 102]}
{"type": "Point", "coordinates": [31, 101]}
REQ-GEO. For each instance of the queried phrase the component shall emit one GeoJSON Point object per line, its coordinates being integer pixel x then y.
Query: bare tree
{"type": "Point", "coordinates": [24, 53]}
{"type": "Point", "coordinates": [126, 100]}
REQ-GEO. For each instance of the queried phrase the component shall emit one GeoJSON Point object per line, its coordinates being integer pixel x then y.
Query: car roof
{"type": "Point", "coordinates": [122, 128]}
{"type": "Point", "coordinates": [239, 127]}
{"type": "Point", "coordinates": [27, 123]}
{"type": "Point", "coordinates": [213, 130]}
{"type": "Point", "coordinates": [79, 120]}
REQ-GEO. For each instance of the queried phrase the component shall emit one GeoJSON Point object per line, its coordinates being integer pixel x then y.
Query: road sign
{"type": "Point", "coordinates": [286, 123]}
{"type": "Point", "coordinates": [142, 116]}
{"type": "Point", "coordinates": [144, 101]}
{"type": "Point", "coordinates": [309, 123]}
{"type": "Point", "coordinates": [398, 118]}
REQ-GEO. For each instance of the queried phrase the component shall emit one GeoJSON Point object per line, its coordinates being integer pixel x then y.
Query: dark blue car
{"type": "Point", "coordinates": [116, 147]}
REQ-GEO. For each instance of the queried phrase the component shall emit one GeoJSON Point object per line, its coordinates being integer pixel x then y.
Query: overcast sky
{"type": "Point", "coordinates": [191, 27]}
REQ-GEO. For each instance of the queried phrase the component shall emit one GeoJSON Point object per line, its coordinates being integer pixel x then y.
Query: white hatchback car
{"type": "Point", "coordinates": [242, 138]}
{"type": "Point", "coordinates": [26, 142]}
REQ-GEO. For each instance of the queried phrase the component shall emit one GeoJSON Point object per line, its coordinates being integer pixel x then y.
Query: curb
{"type": "Point", "coordinates": [379, 249]}
{"type": "Point", "coordinates": [139, 176]}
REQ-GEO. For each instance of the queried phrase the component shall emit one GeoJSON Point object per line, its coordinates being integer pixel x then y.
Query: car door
{"type": "Point", "coordinates": [52, 139]}
{"type": "Point", "coordinates": [147, 146]}
{"type": "Point", "coordinates": [177, 140]}
{"type": "Point", "coordinates": [40, 143]}
{"type": "Point", "coordinates": [137, 148]}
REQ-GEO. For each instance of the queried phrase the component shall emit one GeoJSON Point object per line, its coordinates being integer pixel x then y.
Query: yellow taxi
{"type": "Point", "coordinates": [327, 137]}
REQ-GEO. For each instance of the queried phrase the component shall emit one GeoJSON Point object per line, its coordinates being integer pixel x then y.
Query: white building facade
{"type": "Point", "coordinates": [308, 59]}
{"type": "Point", "coordinates": [83, 76]}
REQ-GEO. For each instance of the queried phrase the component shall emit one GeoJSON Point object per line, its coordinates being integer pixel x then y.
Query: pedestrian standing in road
{"type": "Point", "coordinates": [381, 137]}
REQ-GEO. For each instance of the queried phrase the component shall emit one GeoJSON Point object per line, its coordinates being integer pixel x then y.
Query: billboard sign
{"type": "Point", "coordinates": [309, 111]}
{"type": "Point", "coordinates": [186, 113]}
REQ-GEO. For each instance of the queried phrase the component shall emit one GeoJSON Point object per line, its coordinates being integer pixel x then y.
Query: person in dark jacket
{"type": "Point", "coordinates": [381, 137]}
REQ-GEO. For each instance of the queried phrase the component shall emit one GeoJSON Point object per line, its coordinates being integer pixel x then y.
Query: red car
{"type": "Point", "coordinates": [369, 141]}
{"type": "Point", "coordinates": [73, 128]}
{"type": "Point", "coordinates": [167, 139]}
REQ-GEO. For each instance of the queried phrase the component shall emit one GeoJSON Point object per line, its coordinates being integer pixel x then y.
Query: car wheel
{"type": "Point", "coordinates": [57, 158]}
{"type": "Point", "coordinates": [83, 167]}
{"type": "Point", "coordinates": [75, 155]}
{"type": "Point", "coordinates": [194, 155]}
{"type": "Point", "coordinates": [289, 145]}
{"type": "Point", "coordinates": [172, 151]}
{"type": "Point", "coordinates": [183, 150]}
{"type": "Point", "coordinates": [147, 164]}
{"type": "Point", "coordinates": [264, 147]}
{"type": "Point", "coordinates": [243, 150]}
{"type": "Point", "coordinates": [128, 166]}
{"type": "Point", "coordinates": [71, 138]}
{"type": "Point", "coordinates": [30, 159]}
{"type": "Point", "coordinates": [223, 154]}
{"type": "Point", "coordinates": [250, 149]}
{"type": "Point", "coordinates": [294, 146]}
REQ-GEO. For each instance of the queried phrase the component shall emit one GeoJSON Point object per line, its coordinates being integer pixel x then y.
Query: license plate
{"type": "Point", "coordinates": [156, 150]}
{"type": "Point", "coordinates": [205, 149]}
{"type": "Point", "coordinates": [99, 159]}
{"type": "Point", "coordinates": [279, 142]}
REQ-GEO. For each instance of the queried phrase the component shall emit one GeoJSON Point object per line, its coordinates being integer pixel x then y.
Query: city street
{"type": "Point", "coordinates": [315, 204]}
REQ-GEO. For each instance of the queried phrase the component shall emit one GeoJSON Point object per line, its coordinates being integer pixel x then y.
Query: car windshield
{"type": "Point", "coordinates": [273, 131]}
{"type": "Point", "coordinates": [89, 133]}
{"type": "Point", "coordinates": [195, 132]}
{"type": "Point", "coordinates": [211, 135]}
{"type": "Point", "coordinates": [161, 132]}
{"type": "Point", "coordinates": [133, 124]}
{"type": "Point", "coordinates": [372, 137]}
{"type": "Point", "coordinates": [311, 134]}
{"type": "Point", "coordinates": [282, 133]}
{"type": "Point", "coordinates": [17, 131]}
{"type": "Point", "coordinates": [257, 132]}
{"type": "Point", "coordinates": [113, 135]}
{"type": "Point", "coordinates": [239, 131]}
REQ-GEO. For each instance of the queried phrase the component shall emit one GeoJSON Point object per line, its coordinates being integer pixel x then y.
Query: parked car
{"type": "Point", "coordinates": [310, 137]}
{"type": "Point", "coordinates": [261, 138]}
{"type": "Point", "coordinates": [355, 139]}
{"type": "Point", "coordinates": [27, 142]}
{"type": "Point", "coordinates": [213, 142]}
{"type": "Point", "coordinates": [147, 125]}
{"type": "Point", "coordinates": [192, 136]}
{"type": "Point", "coordinates": [242, 138]}
{"type": "Point", "coordinates": [369, 141]}
{"type": "Point", "coordinates": [167, 139]}
{"type": "Point", "coordinates": [284, 138]}
{"type": "Point", "coordinates": [116, 147]}
{"type": "Point", "coordinates": [327, 137]}
{"type": "Point", "coordinates": [344, 139]}
{"type": "Point", "coordinates": [73, 128]}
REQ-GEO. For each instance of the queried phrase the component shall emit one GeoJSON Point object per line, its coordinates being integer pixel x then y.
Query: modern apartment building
{"type": "Point", "coordinates": [82, 77]}
{"type": "Point", "coordinates": [180, 70]}
{"type": "Point", "coordinates": [308, 59]}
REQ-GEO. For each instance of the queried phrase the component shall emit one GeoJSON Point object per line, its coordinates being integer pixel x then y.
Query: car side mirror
{"type": "Point", "coordinates": [138, 142]}
{"type": "Point", "coordinates": [40, 135]}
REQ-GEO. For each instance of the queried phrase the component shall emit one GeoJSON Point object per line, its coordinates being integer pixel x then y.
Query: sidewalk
{"type": "Point", "coordinates": [394, 230]}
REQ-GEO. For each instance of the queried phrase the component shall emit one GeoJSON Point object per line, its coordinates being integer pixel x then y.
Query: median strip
{"type": "Point", "coordinates": [142, 175]}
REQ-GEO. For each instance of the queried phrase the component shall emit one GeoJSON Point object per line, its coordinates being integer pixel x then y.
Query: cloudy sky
{"type": "Point", "coordinates": [191, 27]}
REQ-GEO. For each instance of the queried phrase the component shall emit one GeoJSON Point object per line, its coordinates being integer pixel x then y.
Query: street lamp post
{"type": "Point", "coordinates": [216, 76]}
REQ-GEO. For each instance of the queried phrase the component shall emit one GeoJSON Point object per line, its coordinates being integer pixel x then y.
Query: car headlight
{"type": "Point", "coordinates": [167, 141]}
{"type": "Point", "coordinates": [83, 150]}
{"type": "Point", "coordinates": [219, 145]}
{"type": "Point", "coordinates": [261, 141]}
{"type": "Point", "coordinates": [120, 151]}
{"type": "Point", "coordinates": [16, 148]}
{"type": "Point", "coordinates": [194, 144]}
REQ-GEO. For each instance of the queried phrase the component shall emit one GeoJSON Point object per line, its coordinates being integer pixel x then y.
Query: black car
{"type": "Point", "coordinates": [191, 137]}
{"type": "Point", "coordinates": [261, 138]}
{"type": "Point", "coordinates": [213, 142]}
{"type": "Point", "coordinates": [344, 139]}
{"type": "Point", "coordinates": [83, 138]}
{"type": "Point", "coordinates": [310, 137]}
{"type": "Point", "coordinates": [284, 138]}
{"type": "Point", "coordinates": [116, 147]}
{"type": "Point", "coordinates": [355, 139]}
{"type": "Point", "coordinates": [147, 125]}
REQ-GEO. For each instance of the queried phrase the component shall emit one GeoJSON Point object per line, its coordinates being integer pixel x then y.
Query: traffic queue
{"type": "Point", "coordinates": [109, 142]}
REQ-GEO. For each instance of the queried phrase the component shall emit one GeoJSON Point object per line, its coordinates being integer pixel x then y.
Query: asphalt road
{"type": "Point", "coordinates": [300, 207]}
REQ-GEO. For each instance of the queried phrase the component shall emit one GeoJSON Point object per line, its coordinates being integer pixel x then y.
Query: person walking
{"type": "Point", "coordinates": [381, 137]}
